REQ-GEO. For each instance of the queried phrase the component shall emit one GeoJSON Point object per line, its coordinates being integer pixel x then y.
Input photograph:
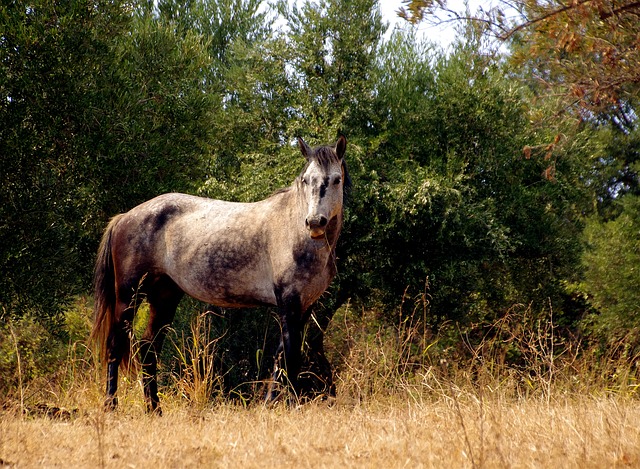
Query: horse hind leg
{"type": "Point", "coordinates": [316, 378]}
{"type": "Point", "coordinates": [118, 348]}
{"type": "Point", "coordinates": [164, 296]}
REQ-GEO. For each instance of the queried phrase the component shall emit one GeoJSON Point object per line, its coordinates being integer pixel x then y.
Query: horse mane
{"type": "Point", "coordinates": [324, 155]}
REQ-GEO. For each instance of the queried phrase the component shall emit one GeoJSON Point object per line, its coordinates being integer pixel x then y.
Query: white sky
{"type": "Point", "coordinates": [443, 35]}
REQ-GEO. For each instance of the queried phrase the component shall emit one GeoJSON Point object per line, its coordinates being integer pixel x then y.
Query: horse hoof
{"type": "Point", "coordinates": [154, 409]}
{"type": "Point", "coordinates": [110, 403]}
{"type": "Point", "coordinates": [272, 398]}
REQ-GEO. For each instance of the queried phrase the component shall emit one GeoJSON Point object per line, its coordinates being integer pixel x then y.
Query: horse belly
{"type": "Point", "coordinates": [225, 278]}
{"type": "Point", "coordinates": [239, 289]}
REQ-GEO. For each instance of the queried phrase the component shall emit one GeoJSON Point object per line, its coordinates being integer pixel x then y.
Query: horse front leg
{"type": "Point", "coordinates": [289, 354]}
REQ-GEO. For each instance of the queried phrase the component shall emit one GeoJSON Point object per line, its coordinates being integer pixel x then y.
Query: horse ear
{"type": "Point", "coordinates": [304, 148]}
{"type": "Point", "coordinates": [341, 146]}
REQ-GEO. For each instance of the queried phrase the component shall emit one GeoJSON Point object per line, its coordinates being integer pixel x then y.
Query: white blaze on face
{"type": "Point", "coordinates": [323, 191]}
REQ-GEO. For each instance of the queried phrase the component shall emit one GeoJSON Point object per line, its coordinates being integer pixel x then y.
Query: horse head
{"type": "Point", "coordinates": [322, 183]}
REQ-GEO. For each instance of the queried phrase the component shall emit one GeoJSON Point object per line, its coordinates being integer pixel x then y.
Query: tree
{"type": "Point", "coordinates": [585, 49]}
{"type": "Point", "coordinates": [583, 55]}
{"type": "Point", "coordinates": [611, 271]}
{"type": "Point", "coordinates": [50, 55]}
{"type": "Point", "coordinates": [580, 60]}
{"type": "Point", "coordinates": [457, 202]}
{"type": "Point", "coordinates": [101, 110]}
{"type": "Point", "coordinates": [221, 23]}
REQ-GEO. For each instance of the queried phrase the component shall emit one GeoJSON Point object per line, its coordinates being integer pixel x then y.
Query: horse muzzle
{"type": "Point", "coordinates": [316, 226]}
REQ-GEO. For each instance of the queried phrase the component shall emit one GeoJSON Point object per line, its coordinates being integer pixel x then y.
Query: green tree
{"type": "Point", "coordinates": [50, 54]}
{"type": "Point", "coordinates": [314, 78]}
{"type": "Point", "coordinates": [333, 61]}
{"type": "Point", "coordinates": [220, 23]}
{"type": "Point", "coordinates": [101, 110]}
{"type": "Point", "coordinates": [612, 275]}
{"type": "Point", "coordinates": [451, 198]}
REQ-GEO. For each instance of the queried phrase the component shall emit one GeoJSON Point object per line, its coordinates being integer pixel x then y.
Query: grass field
{"type": "Point", "coordinates": [560, 408]}
{"type": "Point", "coordinates": [450, 429]}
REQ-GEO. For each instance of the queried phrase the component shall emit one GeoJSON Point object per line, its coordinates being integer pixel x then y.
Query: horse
{"type": "Point", "coordinates": [280, 251]}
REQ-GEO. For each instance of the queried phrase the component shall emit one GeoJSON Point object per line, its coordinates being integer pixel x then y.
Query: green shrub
{"type": "Point", "coordinates": [612, 273]}
{"type": "Point", "coordinates": [27, 351]}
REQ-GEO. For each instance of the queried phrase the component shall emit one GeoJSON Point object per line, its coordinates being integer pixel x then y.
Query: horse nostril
{"type": "Point", "coordinates": [319, 221]}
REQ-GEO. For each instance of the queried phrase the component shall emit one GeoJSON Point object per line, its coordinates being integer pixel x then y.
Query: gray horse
{"type": "Point", "coordinates": [279, 251]}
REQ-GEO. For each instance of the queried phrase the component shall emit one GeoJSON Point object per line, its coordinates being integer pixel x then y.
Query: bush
{"type": "Point", "coordinates": [28, 351]}
{"type": "Point", "coordinates": [612, 273]}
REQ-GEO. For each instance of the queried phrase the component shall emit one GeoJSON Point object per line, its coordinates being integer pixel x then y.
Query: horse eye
{"type": "Point", "coordinates": [305, 181]}
{"type": "Point", "coordinates": [337, 181]}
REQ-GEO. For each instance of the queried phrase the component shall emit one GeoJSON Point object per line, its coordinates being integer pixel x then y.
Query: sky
{"type": "Point", "coordinates": [444, 35]}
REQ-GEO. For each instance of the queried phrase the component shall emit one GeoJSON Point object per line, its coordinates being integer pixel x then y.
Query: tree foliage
{"type": "Point", "coordinates": [465, 190]}
{"type": "Point", "coordinates": [585, 50]}
{"type": "Point", "coordinates": [579, 60]}
{"type": "Point", "coordinates": [611, 271]}
{"type": "Point", "coordinates": [51, 56]}
{"type": "Point", "coordinates": [450, 197]}
{"type": "Point", "coordinates": [582, 55]}
{"type": "Point", "coordinates": [101, 110]}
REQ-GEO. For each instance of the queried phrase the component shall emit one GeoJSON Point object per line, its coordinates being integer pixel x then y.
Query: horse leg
{"type": "Point", "coordinates": [118, 347]}
{"type": "Point", "coordinates": [288, 357]}
{"type": "Point", "coordinates": [316, 377]}
{"type": "Point", "coordinates": [163, 298]}
{"type": "Point", "coordinates": [323, 367]}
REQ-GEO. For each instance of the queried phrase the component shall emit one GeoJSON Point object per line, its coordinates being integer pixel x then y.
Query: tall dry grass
{"type": "Point", "coordinates": [454, 429]}
{"type": "Point", "coordinates": [402, 401]}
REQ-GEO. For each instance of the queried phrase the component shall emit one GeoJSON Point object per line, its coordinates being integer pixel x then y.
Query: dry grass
{"type": "Point", "coordinates": [451, 429]}
{"type": "Point", "coordinates": [391, 411]}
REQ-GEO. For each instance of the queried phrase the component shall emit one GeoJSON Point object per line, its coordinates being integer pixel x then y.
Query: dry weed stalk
{"type": "Point", "coordinates": [19, 360]}
{"type": "Point", "coordinates": [198, 380]}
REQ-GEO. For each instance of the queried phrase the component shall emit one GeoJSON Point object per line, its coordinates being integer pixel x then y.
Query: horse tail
{"type": "Point", "coordinates": [104, 281]}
